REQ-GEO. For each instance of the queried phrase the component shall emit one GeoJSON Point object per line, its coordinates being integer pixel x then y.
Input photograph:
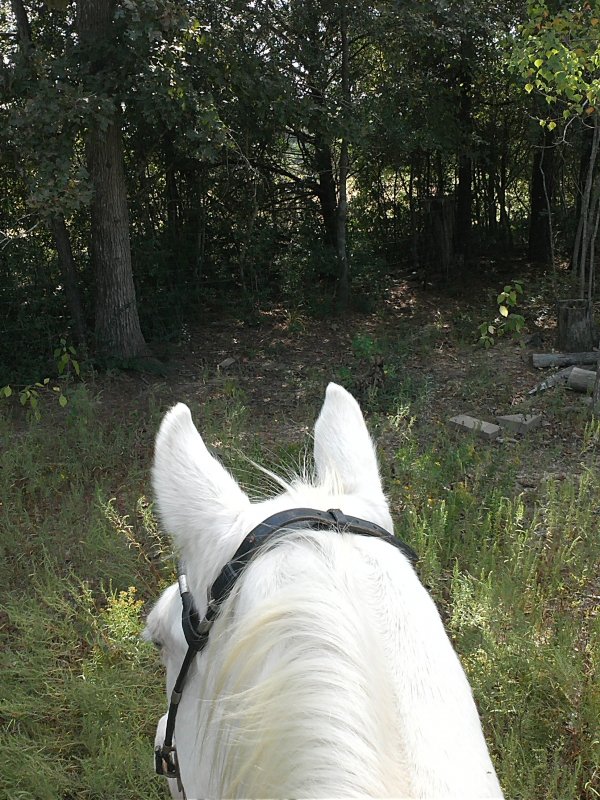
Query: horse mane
{"type": "Point", "coordinates": [323, 652]}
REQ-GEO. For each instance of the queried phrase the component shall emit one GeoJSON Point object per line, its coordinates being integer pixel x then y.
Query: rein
{"type": "Point", "coordinates": [197, 631]}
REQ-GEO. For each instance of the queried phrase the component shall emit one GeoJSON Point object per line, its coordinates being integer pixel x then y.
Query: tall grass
{"type": "Point", "coordinates": [515, 576]}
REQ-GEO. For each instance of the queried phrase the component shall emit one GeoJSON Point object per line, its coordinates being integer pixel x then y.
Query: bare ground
{"type": "Point", "coordinates": [278, 363]}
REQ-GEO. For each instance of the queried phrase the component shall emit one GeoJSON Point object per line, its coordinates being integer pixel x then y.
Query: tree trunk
{"type": "Point", "coordinates": [596, 392]}
{"type": "Point", "coordinates": [118, 332]}
{"type": "Point", "coordinates": [542, 192]}
{"type": "Point", "coordinates": [439, 235]}
{"type": "Point", "coordinates": [505, 228]}
{"type": "Point", "coordinates": [62, 243]}
{"type": "Point", "coordinates": [586, 229]}
{"type": "Point", "coordinates": [23, 26]}
{"type": "Point", "coordinates": [343, 288]}
{"type": "Point", "coordinates": [464, 188]}
{"type": "Point", "coordinates": [326, 191]}
{"type": "Point", "coordinates": [575, 326]}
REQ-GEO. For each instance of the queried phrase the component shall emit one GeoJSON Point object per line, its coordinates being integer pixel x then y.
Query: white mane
{"type": "Point", "coordinates": [328, 672]}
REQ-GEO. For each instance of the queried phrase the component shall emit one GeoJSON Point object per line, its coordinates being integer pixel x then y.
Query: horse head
{"type": "Point", "coordinates": [327, 671]}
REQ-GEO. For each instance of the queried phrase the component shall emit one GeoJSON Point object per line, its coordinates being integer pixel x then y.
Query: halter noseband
{"type": "Point", "coordinates": [197, 631]}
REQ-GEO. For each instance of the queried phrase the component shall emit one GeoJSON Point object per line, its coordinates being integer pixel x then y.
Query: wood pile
{"type": "Point", "coordinates": [572, 376]}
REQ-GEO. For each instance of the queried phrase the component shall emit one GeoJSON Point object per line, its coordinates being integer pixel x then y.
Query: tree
{"type": "Point", "coordinates": [558, 56]}
{"type": "Point", "coordinates": [117, 325]}
{"type": "Point", "coordinates": [29, 145]}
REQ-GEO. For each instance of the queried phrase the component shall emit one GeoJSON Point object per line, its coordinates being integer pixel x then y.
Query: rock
{"type": "Point", "coordinates": [520, 423]}
{"type": "Point", "coordinates": [226, 363]}
{"type": "Point", "coordinates": [486, 430]}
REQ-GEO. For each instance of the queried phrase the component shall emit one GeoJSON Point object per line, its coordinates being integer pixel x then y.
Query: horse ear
{"type": "Point", "coordinates": [344, 453]}
{"type": "Point", "coordinates": [198, 500]}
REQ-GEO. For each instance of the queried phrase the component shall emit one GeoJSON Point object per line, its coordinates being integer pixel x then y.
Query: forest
{"type": "Point", "coordinates": [161, 158]}
{"type": "Point", "coordinates": [232, 204]}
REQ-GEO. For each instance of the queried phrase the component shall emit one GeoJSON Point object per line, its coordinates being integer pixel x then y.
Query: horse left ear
{"type": "Point", "coordinates": [344, 453]}
{"type": "Point", "coordinates": [197, 498]}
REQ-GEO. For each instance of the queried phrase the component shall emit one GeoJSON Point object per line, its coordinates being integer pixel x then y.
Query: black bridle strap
{"type": "Point", "coordinates": [196, 631]}
{"type": "Point", "coordinates": [292, 519]}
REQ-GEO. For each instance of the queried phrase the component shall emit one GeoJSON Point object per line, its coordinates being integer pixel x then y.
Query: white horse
{"type": "Point", "coordinates": [327, 672]}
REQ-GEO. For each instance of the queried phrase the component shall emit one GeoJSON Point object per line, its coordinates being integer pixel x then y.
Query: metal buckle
{"type": "Point", "coordinates": [165, 762]}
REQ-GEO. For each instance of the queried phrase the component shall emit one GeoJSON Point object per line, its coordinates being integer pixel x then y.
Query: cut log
{"type": "Point", "coordinates": [553, 380]}
{"type": "Point", "coordinates": [542, 360]}
{"type": "Point", "coordinates": [575, 326]}
{"type": "Point", "coordinates": [581, 380]}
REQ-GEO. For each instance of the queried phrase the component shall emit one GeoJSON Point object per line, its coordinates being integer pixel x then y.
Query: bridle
{"type": "Point", "coordinates": [197, 631]}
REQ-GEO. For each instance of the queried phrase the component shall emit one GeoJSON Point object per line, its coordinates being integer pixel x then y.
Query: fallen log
{"type": "Point", "coordinates": [553, 380]}
{"type": "Point", "coordinates": [542, 360]}
{"type": "Point", "coordinates": [581, 380]}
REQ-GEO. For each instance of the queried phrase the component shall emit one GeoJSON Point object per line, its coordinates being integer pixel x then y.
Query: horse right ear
{"type": "Point", "coordinates": [198, 500]}
{"type": "Point", "coordinates": [344, 453]}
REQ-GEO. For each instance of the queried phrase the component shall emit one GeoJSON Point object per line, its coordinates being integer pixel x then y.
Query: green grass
{"type": "Point", "coordinates": [515, 575]}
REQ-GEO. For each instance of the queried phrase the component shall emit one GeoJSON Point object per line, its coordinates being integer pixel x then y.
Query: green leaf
{"type": "Point", "coordinates": [6, 391]}
{"type": "Point", "coordinates": [62, 401]}
{"type": "Point", "coordinates": [503, 310]}
{"type": "Point", "coordinates": [529, 88]}
{"type": "Point", "coordinates": [551, 125]}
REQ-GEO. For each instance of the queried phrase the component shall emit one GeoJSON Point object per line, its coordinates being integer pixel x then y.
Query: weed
{"type": "Point", "coordinates": [507, 320]}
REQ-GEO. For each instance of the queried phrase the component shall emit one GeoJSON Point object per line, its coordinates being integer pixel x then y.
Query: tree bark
{"type": "Point", "coordinates": [544, 360]}
{"type": "Point", "coordinates": [581, 380]}
{"type": "Point", "coordinates": [575, 331]}
{"type": "Point", "coordinates": [562, 376]}
{"type": "Point", "coordinates": [118, 332]}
